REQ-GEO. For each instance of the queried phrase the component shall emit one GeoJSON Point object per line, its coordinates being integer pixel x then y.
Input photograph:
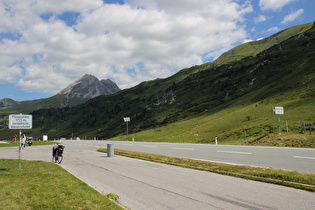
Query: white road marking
{"type": "Point", "coordinates": [235, 152]}
{"type": "Point", "coordinates": [302, 157]}
{"type": "Point", "coordinates": [149, 146]}
{"type": "Point", "coordinates": [179, 148]}
{"type": "Point", "coordinates": [237, 164]}
{"type": "Point", "coordinates": [128, 144]}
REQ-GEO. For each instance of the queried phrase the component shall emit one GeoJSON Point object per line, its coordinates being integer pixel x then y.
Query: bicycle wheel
{"type": "Point", "coordinates": [57, 159]}
{"type": "Point", "coordinates": [60, 158]}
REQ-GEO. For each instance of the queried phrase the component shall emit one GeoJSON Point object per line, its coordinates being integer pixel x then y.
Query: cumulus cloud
{"type": "Point", "coordinates": [292, 16]}
{"type": "Point", "coordinates": [129, 43]}
{"type": "Point", "coordinates": [273, 4]}
{"type": "Point", "coordinates": [9, 76]}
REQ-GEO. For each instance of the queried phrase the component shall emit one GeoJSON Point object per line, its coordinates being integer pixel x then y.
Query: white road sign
{"type": "Point", "coordinates": [127, 119]}
{"type": "Point", "coordinates": [278, 110]}
{"type": "Point", "coordinates": [20, 121]}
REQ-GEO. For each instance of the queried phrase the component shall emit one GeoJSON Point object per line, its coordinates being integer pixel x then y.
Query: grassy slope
{"type": "Point", "coordinates": [294, 91]}
{"type": "Point", "coordinates": [231, 125]}
{"type": "Point", "coordinates": [253, 48]}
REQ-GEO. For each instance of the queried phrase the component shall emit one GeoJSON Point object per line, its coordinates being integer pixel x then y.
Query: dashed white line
{"type": "Point", "coordinates": [235, 152]}
{"type": "Point", "coordinates": [181, 148]}
{"type": "Point", "coordinates": [302, 157]}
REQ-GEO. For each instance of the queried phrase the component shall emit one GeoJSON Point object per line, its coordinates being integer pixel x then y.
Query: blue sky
{"type": "Point", "coordinates": [47, 44]}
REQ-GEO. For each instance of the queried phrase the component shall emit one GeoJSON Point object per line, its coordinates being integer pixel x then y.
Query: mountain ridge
{"type": "Point", "coordinates": [81, 90]}
{"type": "Point", "coordinates": [8, 102]}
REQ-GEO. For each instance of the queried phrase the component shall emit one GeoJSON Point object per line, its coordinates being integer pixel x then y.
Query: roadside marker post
{"type": "Point", "coordinates": [110, 150]}
{"type": "Point", "coordinates": [20, 122]}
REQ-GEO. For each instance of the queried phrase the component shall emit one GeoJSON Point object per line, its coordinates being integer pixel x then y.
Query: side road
{"type": "Point", "coordinates": [146, 185]}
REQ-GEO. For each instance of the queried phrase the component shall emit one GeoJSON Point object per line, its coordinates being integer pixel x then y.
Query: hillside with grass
{"type": "Point", "coordinates": [232, 101]}
{"type": "Point", "coordinates": [253, 48]}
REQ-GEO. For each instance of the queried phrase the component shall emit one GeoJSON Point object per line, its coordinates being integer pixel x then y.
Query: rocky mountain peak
{"type": "Point", "coordinates": [88, 87]}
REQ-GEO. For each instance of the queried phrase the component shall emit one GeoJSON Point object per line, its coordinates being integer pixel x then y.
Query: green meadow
{"type": "Point", "coordinates": [42, 185]}
{"type": "Point", "coordinates": [243, 123]}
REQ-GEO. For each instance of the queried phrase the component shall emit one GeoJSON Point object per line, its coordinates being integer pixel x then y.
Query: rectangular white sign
{"type": "Point", "coordinates": [127, 119]}
{"type": "Point", "coordinates": [20, 121]}
{"type": "Point", "coordinates": [278, 110]}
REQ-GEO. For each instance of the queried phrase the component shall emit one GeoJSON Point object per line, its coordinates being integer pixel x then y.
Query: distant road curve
{"type": "Point", "coordinates": [285, 158]}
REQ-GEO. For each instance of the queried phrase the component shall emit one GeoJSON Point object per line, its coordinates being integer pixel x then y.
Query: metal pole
{"type": "Point", "coordinates": [279, 129]}
{"type": "Point", "coordinates": [20, 154]}
{"type": "Point", "coordinates": [127, 128]}
{"type": "Point", "coordinates": [110, 150]}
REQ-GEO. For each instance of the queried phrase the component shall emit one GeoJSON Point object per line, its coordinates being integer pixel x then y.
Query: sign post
{"type": "Point", "coordinates": [20, 122]}
{"type": "Point", "coordinates": [127, 119]}
{"type": "Point", "coordinates": [278, 110]}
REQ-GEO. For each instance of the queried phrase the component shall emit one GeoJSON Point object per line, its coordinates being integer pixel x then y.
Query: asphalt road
{"type": "Point", "coordinates": [293, 159]}
{"type": "Point", "coordinates": [146, 185]}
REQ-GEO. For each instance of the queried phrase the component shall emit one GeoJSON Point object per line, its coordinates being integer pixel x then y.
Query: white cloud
{"type": "Point", "coordinates": [292, 16]}
{"type": "Point", "coordinates": [260, 18]}
{"type": "Point", "coordinates": [247, 40]}
{"type": "Point", "coordinates": [38, 7]}
{"type": "Point", "coordinates": [137, 41]}
{"type": "Point", "coordinates": [273, 29]}
{"type": "Point", "coordinates": [273, 4]}
{"type": "Point", "coordinates": [17, 15]}
{"type": "Point", "coordinates": [9, 76]}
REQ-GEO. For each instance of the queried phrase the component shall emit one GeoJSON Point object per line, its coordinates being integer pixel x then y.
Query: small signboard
{"type": "Point", "coordinates": [127, 119]}
{"type": "Point", "coordinates": [20, 121]}
{"type": "Point", "coordinates": [278, 110]}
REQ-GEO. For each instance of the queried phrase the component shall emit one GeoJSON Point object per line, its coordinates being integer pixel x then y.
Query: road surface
{"type": "Point", "coordinates": [286, 158]}
{"type": "Point", "coordinates": [146, 185]}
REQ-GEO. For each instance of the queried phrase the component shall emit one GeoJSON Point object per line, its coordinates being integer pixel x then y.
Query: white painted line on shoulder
{"type": "Point", "coordinates": [302, 157]}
